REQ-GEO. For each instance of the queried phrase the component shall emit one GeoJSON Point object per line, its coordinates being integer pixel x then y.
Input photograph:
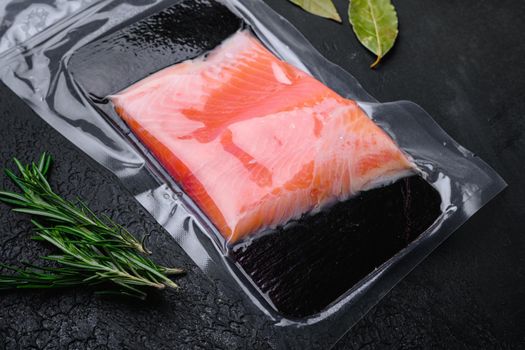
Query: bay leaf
{"type": "Point", "coordinates": [322, 8]}
{"type": "Point", "coordinates": [375, 24]}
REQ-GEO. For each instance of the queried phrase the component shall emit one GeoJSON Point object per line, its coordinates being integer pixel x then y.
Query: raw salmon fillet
{"type": "Point", "coordinates": [254, 141]}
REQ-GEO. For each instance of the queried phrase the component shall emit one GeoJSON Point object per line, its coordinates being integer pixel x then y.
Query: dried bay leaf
{"type": "Point", "coordinates": [322, 8]}
{"type": "Point", "coordinates": [375, 24]}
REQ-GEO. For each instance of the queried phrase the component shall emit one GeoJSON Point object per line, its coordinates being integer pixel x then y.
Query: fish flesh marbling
{"type": "Point", "coordinates": [254, 141]}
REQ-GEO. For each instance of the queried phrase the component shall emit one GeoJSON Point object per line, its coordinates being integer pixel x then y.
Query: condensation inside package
{"type": "Point", "coordinates": [270, 166]}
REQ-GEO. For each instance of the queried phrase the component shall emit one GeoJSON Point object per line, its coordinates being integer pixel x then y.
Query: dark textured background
{"type": "Point", "coordinates": [462, 61]}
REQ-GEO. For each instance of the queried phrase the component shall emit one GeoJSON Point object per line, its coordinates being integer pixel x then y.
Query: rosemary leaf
{"type": "Point", "coordinates": [94, 250]}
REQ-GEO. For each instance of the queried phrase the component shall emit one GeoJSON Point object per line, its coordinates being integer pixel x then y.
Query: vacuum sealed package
{"type": "Point", "coordinates": [270, 166]}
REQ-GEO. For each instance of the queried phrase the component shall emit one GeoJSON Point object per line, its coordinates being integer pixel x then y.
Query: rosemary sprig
{"type": "Point", "coordinates": [94, 250]}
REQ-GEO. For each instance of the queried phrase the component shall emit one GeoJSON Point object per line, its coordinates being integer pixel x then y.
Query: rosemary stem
{"type": "Point", "coordinates": [94, 250]}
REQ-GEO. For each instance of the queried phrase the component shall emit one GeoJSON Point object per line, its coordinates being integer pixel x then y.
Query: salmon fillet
{"type": "Point", "coordinates": [254, 141]}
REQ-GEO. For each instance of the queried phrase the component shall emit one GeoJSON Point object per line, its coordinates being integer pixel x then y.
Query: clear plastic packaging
{"type": "Point", "coordinates": [23, 19]}
{"type": "Point", "coordinates": [66, 71]}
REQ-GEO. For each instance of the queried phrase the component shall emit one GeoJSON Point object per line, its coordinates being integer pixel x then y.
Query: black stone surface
{"type": "Point", "coordinates": [462, 61]}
